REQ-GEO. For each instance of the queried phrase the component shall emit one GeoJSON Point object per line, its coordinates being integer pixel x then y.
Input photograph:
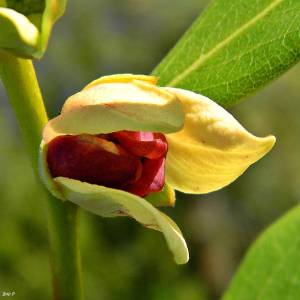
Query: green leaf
{"type": "Point", "coordinates": [108, 202]}
{"type": "Point", "coordinates": [234, 48]}
{"type": "Point", "coordinates": [271, 269]}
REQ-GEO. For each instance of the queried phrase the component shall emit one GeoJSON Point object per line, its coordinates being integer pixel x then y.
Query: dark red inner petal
{"type": "Point", "coordinates": [152, 178]}
{"type": "Point", "coordinates": [145, 144]}
{"type": "Point", "coordinates": [85, 160]}
{"type": "Point", "coordinates": [131, 161]}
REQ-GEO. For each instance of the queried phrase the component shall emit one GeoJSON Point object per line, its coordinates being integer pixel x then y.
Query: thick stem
{"type": "Point", "coordinates": [19, 79]}
{"type": "Point", "coordinates": [23, 91]}
{"type": "Point", "coordinates": [65, 254]}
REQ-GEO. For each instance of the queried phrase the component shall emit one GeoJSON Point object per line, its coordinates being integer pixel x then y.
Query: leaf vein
{"type": "Point", "coordinates": [203, 58]}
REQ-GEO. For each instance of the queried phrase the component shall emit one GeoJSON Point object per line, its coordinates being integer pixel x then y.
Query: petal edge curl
{"type": "Point", "coordinates": [108, 202]}
{"type": "Point", "coordinates": [212, 149]}
{"type": "Point", "coordinates": [125, 78]}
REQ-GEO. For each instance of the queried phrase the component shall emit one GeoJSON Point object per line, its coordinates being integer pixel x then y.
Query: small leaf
{"type": "Point", "coordinates": [271, 268]}
{"type": "Point", "coordinates": [234, 48]}
{"type": "Point", "coordinates": [107, 202]}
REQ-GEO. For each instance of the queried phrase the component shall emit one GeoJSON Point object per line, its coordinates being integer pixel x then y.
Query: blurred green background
{"type": "Point", "coordinates": [122, 260]}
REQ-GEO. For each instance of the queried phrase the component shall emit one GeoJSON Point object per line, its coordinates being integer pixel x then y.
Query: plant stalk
{"type": "Point", "coordinates": [19, 79]}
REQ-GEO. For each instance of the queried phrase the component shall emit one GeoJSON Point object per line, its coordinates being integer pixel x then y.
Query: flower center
{"type": "Point", "coordinates": [126, 160]}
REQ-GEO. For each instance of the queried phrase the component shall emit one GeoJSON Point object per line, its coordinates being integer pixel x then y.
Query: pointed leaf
{"type": "Point", "coordinates": [234, 48]}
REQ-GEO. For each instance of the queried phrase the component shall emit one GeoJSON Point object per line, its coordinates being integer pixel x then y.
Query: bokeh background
{"type": "Point", "coordinates": [122, 260]}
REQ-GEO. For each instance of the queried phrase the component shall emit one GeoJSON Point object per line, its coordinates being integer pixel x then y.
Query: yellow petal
{"type": "Point", "coordinates": [109, 107]}
{"type": "Point", "coordinates": [212, 149]}
{"type": "Point", "coordinates": [108, 202]}
{"type": "Point", "coordinates": [121, 78]}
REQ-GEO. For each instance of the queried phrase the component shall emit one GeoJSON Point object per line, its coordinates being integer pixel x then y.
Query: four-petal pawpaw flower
{"type": "Point", "coordinates": [122, 145]}
{"type": "Point", "coordinates": [27, 24]}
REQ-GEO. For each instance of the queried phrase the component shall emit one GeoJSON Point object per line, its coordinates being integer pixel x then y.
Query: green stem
{"type": "Point", "coordinates": [19, 79]}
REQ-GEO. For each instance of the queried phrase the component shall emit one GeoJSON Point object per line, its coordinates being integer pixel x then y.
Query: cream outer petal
{"type": "Point", "coordinates": [108, 202]}
{"type": "Point", "coordinates": [212, 149]}
{"type": "Point", "coordinates": [108, 107]}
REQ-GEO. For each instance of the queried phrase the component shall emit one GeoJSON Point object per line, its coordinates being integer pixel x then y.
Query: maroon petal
{"type": "Point", "coordinates": [92, 159]}
{"type": "Point", "coordinates": [152, 178]}
{"type": "Point", "coordinates": [145, 144]}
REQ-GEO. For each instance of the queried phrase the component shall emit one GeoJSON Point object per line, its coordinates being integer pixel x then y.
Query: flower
{"type": "Point", "coordinates": [111, 118]}
{"type": "Point", "coordinates": [26, 25]}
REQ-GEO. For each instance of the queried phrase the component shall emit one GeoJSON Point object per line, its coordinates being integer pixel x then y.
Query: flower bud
{"type": "Point", "coordinates": [106, 152]}
{"type": "Point", "coordinates": [108, 149]}
{"type": "Point", "coordinates": [25, 25]}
